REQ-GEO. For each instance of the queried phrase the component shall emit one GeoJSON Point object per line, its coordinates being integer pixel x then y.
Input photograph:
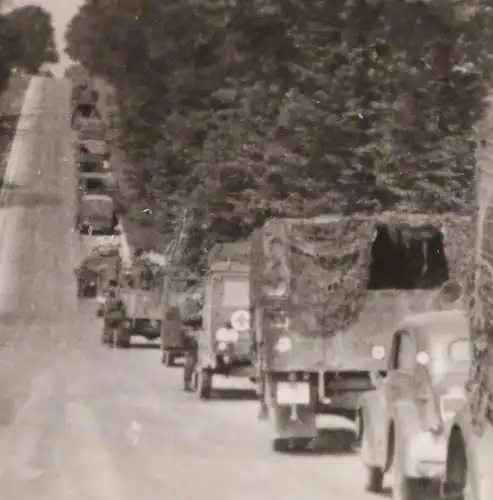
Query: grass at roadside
{"type": "Point", "coordinates": [10, 108]}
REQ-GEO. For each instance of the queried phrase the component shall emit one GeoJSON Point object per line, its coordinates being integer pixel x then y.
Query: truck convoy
{"type": "Point", "coordinates": [325, 295]}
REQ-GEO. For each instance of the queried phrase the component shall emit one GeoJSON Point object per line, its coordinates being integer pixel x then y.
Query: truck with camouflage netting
{"type": "Point", "coordinates": [325, 294]}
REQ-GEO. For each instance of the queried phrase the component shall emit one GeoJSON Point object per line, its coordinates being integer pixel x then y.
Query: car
{"type": "Point", "coordinates": [403, 425]}
{"type": "Point", "coordinates": [468, 468]}
{"type": "Point", "coordinates": [97, 215]}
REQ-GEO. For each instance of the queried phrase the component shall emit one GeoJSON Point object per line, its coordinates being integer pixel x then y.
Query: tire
{"type": "Point", "coordinates": [374, 480]}
{"type": "Point", "coordinates": [280, 445]}
{"type": "Point", "coordinates": [403, 487]}
{"type": "Point", "coordinates": [204, 384]}
{"type": "Point", "coordinates": [122, 339]}
{"type": "Point", "coordinates": [168, 359]}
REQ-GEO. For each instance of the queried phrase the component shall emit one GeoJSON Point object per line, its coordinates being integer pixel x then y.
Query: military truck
{"type": "Point", "coordinates": [96, 269]}
{"type": "Point", "coordinates": [325, 295]}
{"type": "Point", "coordinates": [141, 291]}
{"type": "Point", "coordinates": [225, 346]}
{"type": "Point", "coordinates": [84, 99]}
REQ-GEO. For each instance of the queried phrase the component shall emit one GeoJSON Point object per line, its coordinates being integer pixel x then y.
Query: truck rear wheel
{"type": "Point", "coordinates": [204, 384]}
{"type": "Point", "coordinates": [122, 338]}
{"type": "Point", "coordinates": [283, 445]}
{"type": "Point", "coordinates": [168, 359]}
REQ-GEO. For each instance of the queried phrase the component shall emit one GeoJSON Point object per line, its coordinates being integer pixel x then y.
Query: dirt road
{"type": "Point", "coordinates": [82, 422]}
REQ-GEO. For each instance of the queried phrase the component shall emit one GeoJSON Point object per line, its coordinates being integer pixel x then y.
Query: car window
{"type": "Point", "coordinates": [407, 352]}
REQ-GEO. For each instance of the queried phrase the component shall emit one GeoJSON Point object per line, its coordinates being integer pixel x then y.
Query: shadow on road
{"type": "Point", "coordinates": [333, 441]}
{"type": "Point", "coordinates": [144, 345]}
{"type": "Point", "coordinates": [234, 395]}
{"type": "Point", "coordinates": [429, 491]}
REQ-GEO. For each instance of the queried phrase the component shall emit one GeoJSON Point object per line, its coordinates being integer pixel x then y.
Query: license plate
{"type": "Point", "coordinates": [290, 393]}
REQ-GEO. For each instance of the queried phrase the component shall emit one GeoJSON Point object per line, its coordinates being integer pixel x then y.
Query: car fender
{"type": "Point", "coordinates": [372, 413]}
{"type": "Point", "coordinates": [477, 448]}
{"type": "Point", "coordinates": [407, 423]}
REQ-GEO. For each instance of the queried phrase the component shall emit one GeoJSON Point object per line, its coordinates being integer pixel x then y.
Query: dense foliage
{"type": "Point", "coordinates": [26, 40]}
{"type": "Point", "coordinates": [247, 109]}
{"type": "Point", "coordinates": [33, 28]}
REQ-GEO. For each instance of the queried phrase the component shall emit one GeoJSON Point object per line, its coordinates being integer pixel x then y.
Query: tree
{"type": "Point", "coordinates": [288, 108]}
{"type": "Point", "coordinates": [35, 35]}
{"type": "Point", "coordinates": [8, 49]}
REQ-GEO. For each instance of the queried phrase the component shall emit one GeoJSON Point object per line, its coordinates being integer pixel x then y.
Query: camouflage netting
{"type": "Point", "coordinates": [329, 262]}
{"type": "Point", "coordinates": [330, 276]}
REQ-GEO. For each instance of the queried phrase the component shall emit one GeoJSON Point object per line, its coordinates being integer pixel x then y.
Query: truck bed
{"type": "Point", "coordinates": [348, 351]}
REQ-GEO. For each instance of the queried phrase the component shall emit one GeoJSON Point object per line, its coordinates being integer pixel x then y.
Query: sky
{"type": "Point", "coordinates": [62, 12]}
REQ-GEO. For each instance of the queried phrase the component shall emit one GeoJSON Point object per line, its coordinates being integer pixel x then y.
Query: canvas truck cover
{"type": "Point", "coordinates": [97, 207]}
{"type": "Point", "coordinates": [310, 288]}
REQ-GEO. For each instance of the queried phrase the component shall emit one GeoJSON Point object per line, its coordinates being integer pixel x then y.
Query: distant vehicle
{"type": "Point", "coordinates": [92, 152]}
{"type": "Point", "coordinates": [92, 128]}
{"type": "Point", "coordinates": [144, 310]}
{"type": "Point", "coordinates": [97, 215]}
{"type": "Point", "coordinates": [405, 423]}
{"type": "Point", "coordinates": [96, 183]}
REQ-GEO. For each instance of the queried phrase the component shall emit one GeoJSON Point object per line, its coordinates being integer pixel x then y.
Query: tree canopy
{"type": "Point", "coordinates": [26, 40]}
{"type": "Point", "coordinates": [33, 28]}
{"type": "Point", "coordinates": [256, 108]}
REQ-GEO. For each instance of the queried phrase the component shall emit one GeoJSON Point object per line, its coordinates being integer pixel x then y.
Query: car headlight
{"type": "Point", "coordinates": [283, 344]}
{"type": "Point", "coordinates": [227, 335]}
{"type": "Point", "coordinates": [222, 346]}
{"type": "Point", "coordinates": [378, 352]}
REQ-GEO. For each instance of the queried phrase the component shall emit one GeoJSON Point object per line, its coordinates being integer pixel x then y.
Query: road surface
{"type": "Point", "coordinates": [82, 422]}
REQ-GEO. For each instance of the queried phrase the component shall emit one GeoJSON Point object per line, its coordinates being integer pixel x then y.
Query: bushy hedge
{"type": "Point", "coordinates": [250, 109]}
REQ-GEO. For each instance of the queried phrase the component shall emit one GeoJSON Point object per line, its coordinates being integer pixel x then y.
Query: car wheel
{"type": "Point", "coordinates": [374, 480]}
{"type": "Point", "coordinates": [375, 475]}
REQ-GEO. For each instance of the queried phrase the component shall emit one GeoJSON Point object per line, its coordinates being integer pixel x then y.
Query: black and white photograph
{"type": "Point", "coordinates": [246, 249]}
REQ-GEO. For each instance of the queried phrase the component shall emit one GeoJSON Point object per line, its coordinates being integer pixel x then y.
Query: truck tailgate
{"type": "Point", "coordinates": [143, 304]}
